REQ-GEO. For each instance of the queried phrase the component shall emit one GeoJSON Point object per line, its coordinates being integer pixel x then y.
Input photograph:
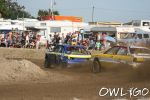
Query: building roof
{"type": "Point", "coordinates": [106, 23]}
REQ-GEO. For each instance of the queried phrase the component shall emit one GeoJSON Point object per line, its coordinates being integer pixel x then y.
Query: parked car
{"type": "Point", "coordinates": [131, 55]}
{"type": "Point", "coordinates": [66, 55]}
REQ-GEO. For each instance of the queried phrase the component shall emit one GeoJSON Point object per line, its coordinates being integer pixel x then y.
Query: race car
{"type": "Point", "coordinates": [131, 55]}
{"type": "Point", "coordinates": [66, 55]}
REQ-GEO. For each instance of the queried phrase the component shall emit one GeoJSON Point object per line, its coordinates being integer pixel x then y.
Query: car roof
{"type": "Point", "coordinates": [140, 47]}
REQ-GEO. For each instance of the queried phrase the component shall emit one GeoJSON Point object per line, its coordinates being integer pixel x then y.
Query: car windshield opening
{"type": "Point", "coordinates": [76, 50]}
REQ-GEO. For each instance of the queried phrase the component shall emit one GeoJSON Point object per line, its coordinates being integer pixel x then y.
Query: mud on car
{"type": "Point", "coordinates": [66, 55]}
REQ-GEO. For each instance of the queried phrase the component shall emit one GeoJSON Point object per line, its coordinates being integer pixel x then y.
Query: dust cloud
{"type": "Point", "coordinates": [127, 72]}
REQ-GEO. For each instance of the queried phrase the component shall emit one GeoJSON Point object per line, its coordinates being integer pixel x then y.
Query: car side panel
{"type": "Point", "coordinates": [106, 60]}
{"type": "Point", "coordinates": [123, 59]}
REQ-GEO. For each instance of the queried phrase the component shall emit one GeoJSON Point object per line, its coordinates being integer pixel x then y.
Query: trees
{"type": "Point", "coordinates": [12, 10]}
{"type": "Point", "coordinates": [47, 12]}
{"type": "Point", "coordinates": [56, 13]}
{"type": "Point", "coordinates": [3, 8]}
{"type": "Point", "coordinates": [43, 13]}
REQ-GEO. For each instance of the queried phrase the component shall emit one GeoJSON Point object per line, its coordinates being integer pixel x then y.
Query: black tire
{"type": "Point", "coordinates": [46, 63]}
{"type": "Point", "coordinates": [96, 68]}
{"type": "Point", "coordinates": [63, 65]}
{"type": "Point", "coordinates": [57, 61]}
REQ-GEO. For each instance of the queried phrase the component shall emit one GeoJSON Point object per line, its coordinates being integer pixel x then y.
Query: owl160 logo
{"type": "Point", "coordinates": [121, 92]}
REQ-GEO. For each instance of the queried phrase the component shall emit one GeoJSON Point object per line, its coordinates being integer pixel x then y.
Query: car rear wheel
{"type": "Point", "coordinates": [96, 68]}
{"type": "Point", "coordinates": [63, 65]}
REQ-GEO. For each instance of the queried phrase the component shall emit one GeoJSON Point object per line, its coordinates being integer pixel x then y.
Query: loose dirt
{"type": "Point", "coordinates": [23, 77]}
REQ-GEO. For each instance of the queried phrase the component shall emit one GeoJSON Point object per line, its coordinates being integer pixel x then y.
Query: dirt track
{"type": "Point", "coordinates": [76, 83]}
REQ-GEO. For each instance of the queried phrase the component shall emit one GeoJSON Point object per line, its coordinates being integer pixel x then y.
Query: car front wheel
{"type": "Point", "coordinates": [96, 68]}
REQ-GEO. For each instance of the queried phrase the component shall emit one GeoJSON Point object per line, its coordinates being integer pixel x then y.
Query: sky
{"type": "Point", "coordinates": [104, 10]}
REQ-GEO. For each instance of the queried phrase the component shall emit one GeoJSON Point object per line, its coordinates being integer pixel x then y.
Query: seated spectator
{"type": "Point", "coordinates": [32, 44]}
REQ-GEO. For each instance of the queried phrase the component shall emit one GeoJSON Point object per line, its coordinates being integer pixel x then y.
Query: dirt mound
{"type": "Point", "coordinates": [19, 70]}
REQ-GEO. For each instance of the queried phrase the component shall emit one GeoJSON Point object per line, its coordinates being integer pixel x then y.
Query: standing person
{"type": "Point", "coordinates": [27, 40]}
{"type": "Point", "coordinates": [54, 39]}
{"type": "Point", "coordinates": [0, 39]}
{"type": "Point", "coordinates": [6, 40]}
{"type": "Point", "coordinates": [14, 40]}
{"type": "Point", "coordinates": [91, 44]}
{"type": "Point", "coordinates": [38, 42]}
{"type": "Point", "coordinates": [55, 36]}
{"type": "Point", "coordinates": [10, 39]}
{"type": "Point", "coordinates": [60, 40]}
{"type": "Point", "coordinates": [104, 39]}
{"type": "Point", "coordinates": [50, 42]}
{"type": "Point", "coordinates": [23, 38]}
{"type": "Point", "coordinates": [57, 39]}
{"type": "Point", "coordinates": [98, 45]}
{"type": "Point", "coordinates": [63, 38]}
{"type": "Point", "coordinates": [67, 38]}
{"type": "Point", "coordinates": [98, 36]}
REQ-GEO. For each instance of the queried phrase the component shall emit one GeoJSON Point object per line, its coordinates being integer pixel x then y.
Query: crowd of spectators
{"type": "Point", "coordinates": [32, 40]}
{"type": "Point", "coordinates": [93, 42]}
{"type": "Point", "coordinates": [14, 39]}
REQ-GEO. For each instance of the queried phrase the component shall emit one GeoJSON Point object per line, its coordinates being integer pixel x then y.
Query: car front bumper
{"type": "Point", "coordinates": [77, 61]}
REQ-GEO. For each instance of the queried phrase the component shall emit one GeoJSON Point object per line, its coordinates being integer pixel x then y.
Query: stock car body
{"type": "Point", "coordinates": [130, 55]}
{"type": "Point", "coordinates": [66, 55]}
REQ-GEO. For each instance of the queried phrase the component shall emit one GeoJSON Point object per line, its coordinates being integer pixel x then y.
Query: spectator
{"type": "Point", "coordinates": [27, 40]}
{"type": "Point", "coordinates": [98, 45]}
{"type": "Point", "coordinates": [104, 40]}
{"type": "Point", "coordinates": [38, 42]}
{"type": "Point", "coordinates": [32, 44]}
{"type": "Point", "coordinates": [63, 38]}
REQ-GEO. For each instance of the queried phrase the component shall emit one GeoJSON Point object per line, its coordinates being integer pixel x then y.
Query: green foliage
{"type": "Point", "coordinates": [43, 13]}
{"type": "Point", "coordinates": [12, 10]}
{"type": "Point", "coordinates": [47, 12]}
{"type": "Point", "coordinates": [56, 13]}
{"type": "Point", "coordinates": [3, 8]}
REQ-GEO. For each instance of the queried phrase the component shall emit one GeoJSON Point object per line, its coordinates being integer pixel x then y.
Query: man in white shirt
{"type": "Point", "coordinates": [27, 40]}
